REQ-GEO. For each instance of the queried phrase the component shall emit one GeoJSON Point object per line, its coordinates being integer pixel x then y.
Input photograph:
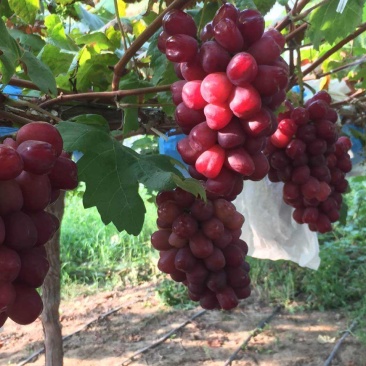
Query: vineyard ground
{"type": "Point", "coordinates": [291, 339]}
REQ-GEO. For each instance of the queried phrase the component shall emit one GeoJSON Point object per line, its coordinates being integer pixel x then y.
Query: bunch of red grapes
{"type": "Point", "coordinates": [233, 78]}
{"type": "Point", "coordinates": [307, 155]}
{"type": "Point", "coordinates": [200, 245]}
{"type": "Point", "coordinates": [33, 170]}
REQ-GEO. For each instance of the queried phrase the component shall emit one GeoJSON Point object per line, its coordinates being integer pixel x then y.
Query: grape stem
{"type": "Point", "coordinates": [103, 95]}
{"type": "Point", "coordinates": [120, 67]}
{"type": "Point", "coordinates": [289, 17]}
{"type": "Point", "coordinates": [14, 118]}
{"type": "Point", "coordinates": [29, 85]}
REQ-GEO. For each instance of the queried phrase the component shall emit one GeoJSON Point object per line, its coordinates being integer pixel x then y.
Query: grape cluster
{"type": "Point", "coordinates": [33, 170]}
{"type": "Point", "coordinates": [232, 79]}
{"type": "Point", "coordinates": [306, 154]}
{"type": "Point", "coordinates": [200, 246]}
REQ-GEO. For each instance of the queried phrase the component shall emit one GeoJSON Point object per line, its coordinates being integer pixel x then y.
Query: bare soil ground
{"type": "Point", "coordinates": [305, 338]}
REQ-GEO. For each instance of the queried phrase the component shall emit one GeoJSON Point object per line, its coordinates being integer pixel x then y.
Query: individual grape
{"type": "Point", "coordinates": [295, 148]}
{"type": "Point", "coordinates": [164, 196]}
{"type": "Point", "coordinates": [166, 260]}
{"type": "Point", "coordinates": [64, 174]}
{"type": "Point", "coordinates": [188, 118]}
{"type": "Point", "coordinates": [214, 58]}
{"type": "Point", "coordinates": [46, 225]}
{"type": "Point", "coordinates": [11, 198]}
{"type": "Point", "coordinates": [9, 264]}
{"type": "Point", "coordinates": [7, 296]}
{"type": "Point", "coordinates": [36, 190]}
{"type": "Point", "coordinates": [34, 266]}
{"type": "Point", "coordinates": [216, 88]}
{"type": "Point", "coordinates": [331, 115]}
{"type": "Point", "coordinates": [160, 240]}
{"type": "Point", "coordinates": [218, 115]}
{"type": "Point", "coordinates": [192, 70]}
{"type": "Point", "coordinates": [243, 246]}
{"type": "Point", "coordinates": [324, 191]}
{"type": "Point", "coordinates": [300, 116]}
{"type": "Point", "coordinates": [41, 131]}
{"type": "Point", "coordinates": [323, 224]}
{"type": "Point", "coordinates": [333, 215]}
{"type": "Point", "coordinates": [224, 210]}
{"type": "Point", "coordinates": [310, 215]}
{"type": "Point", "coordinates": [226, 11]}
{"type": "Point", "coordinates": [201, 210]}
{"type": "Point", "coordinates": [177, 70]}
{"type": "Point", "coordinates": [27, 306]}
{"type": "Point", "coordinates": [259, 124]}
{"type": "Point", "coordinates": [237, 277]}
{"type": "Point", "coordinates": [317, 160]}
{"type": "Point", "coordinates": [244, 101]}
{"type": "Point", "coordinates": [265, 51]}
{"type": "Point", "coordinates": [301, 174]}
{"type": "Point", "coordinates": [217, 280]}
{"type": "Point", "coordinates": [233, 256]}
{"type": "Point", "coordinates": [345, 142]}
{"type": "Point", "coordinates": [287, 126]}
{"type": "Point", "coordinates": [270, 80]}
{"type": "Point", "coordinates": [240, 161]}
{"type": "Point", "coordinates": [215, 261]}
{"type": "Point", "coordinates": [279, 139]}
{"type": "Point", "coordinates": [188, 154]}
{"type": "Point", "coordinates": [178, 276]}
{"type": "Point", "coordinates": [224, 240]}
{"type": "Point", "coordinates": [168, 211]}
{"type": "Point", "coordinates": [198, 274]}
{"type": "Point", "coordinates": [212, 228]}
{"type": "Point", "coordinates": [184, 260]}
{"type": "Point", "coordinates": [223, 183]}
{"type": "Point", "coordinates": [201, 245]}
{"type": "Point", "coordinates": [191, 95]}
{"type": "Point", "coordinates": [276, 100]}
{"type": "Point", "coordinates": [251, 25]}
{"type": "Point", "coordinates": [181, 48]}
{"type": "Point", "coordinates": [254, 145]}
{"type": "Point", "coordinates": [227, 34]}
{"type": "Point", "coordinates": [311, 188]}
{"type": "Point", "coordinates": [177, 241]}
{"type": "Point", "coordinates": [20, 231]}
{"type": "Point", "coordinates": [209, 301]}
{"type": "Point", "coordinates": [210, 162]}
{"type": "Point", "coordinates": [298, 214]}
{"type": "Point", "coordinates": [291, 190]}
{"type": "Point", "coordinates": [182, 197]}
{"type": "Point", "coordinates": [300, 160]}
{"type": "Point", "coordinates": [163, 36]}
{"type": "Point", "coordinates": [317, 147]}
{"type": "Point", "coordinates": [185, 225]}
{"type": "Point", "coordinates": [306, 133]}
{"type": "Point", "coordinates": [242, 69]}
{"type": "Point", "coordinates": [261, 167]}
{"type": "Point", "coordinates": [279, 160]}
{"type": "Point", "coordinates": [236, 221]}
{"type": "Point", "coordinates": [344, 164]}
{"type": "Point", "coordinates": [322, 173]}
{"type": "Point", "coordinates": [11, 163]}
{"type": "Point", "coordinates": [178, 22]}
{"type": "Point", "coordinates": [10, 142]}
{"type": "Point", "coordinates": [242, 292]}
{"type": "Point", "coordinates": [39, 157]}
{"type": "Point", "coordinates": [326, 130]}
{"type": "Point", "coordinates": [341, 186]}
{"type": "Point", "coordinates": [232, 135]}
{"type": "Point", "coordinates": [207, 32]}
{"type": "Point", "coordinates": [202, 137]}
{"type": "Point", "coordinates": [227, 298]}
{"type": "Point", "coordinates": [176, 90]}
{"type": "Point", "coordinates": [317, 109]}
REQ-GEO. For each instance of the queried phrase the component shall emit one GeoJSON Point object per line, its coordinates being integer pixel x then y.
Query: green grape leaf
{"type": "Point", "coordinates": [59, 62]}
{"type": "Point", "coordinates": [327, 23]}
{"type": "Point", "coordinates": [56, 34]}
{"type": "Point", "coordinates": [130, 115]}
{"type": "Point", "coordinates": [245, 4]}
{"type": "Point", "coordinates": [98, 38]}
{"type": "Point", "coordinates": [9, 54]}
{"type": "Point", "coordinates": [95, 120]}
{"type": "Point", "coordinates": [32, 42]}
{"type": "Point", "coordinates": [25, 9]}
{"type": "Point", "coordinates": [112, 173]}
{"type": "Point", "coordinates": [206, 14]}
{"type": "Point", "coordinates": [283, 2]}
{"type": "Point", "coordinates": [5, 9]}
{"type": "Point", "coordinates": [343, 214]}
{"type": "Point", "coordinates": [39, 73]}
{"type": "Point", "coordinates": [264, 6]}
{"type": "Point", "coordinates": [93, 21]}
{"type": "Point", "coordinates": [191, 185]}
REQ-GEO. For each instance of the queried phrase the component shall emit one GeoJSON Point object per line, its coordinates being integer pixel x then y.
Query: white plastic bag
{"type": "Point", "coordinates": [269, 229]}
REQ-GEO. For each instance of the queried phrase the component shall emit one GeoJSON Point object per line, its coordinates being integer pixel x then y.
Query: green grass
{"type": "Point", "coordinates": [97, 256]}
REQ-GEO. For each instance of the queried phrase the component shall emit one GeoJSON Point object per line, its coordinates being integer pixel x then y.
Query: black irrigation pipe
{"type": "Point", "coordinates": [84, 327]}
{"type": "Point", "coordinates": [328, 361]}
{"type": "Point", "coordinates": [162, 339]}
{"type": "Point", "coordinates": [253, 333]}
